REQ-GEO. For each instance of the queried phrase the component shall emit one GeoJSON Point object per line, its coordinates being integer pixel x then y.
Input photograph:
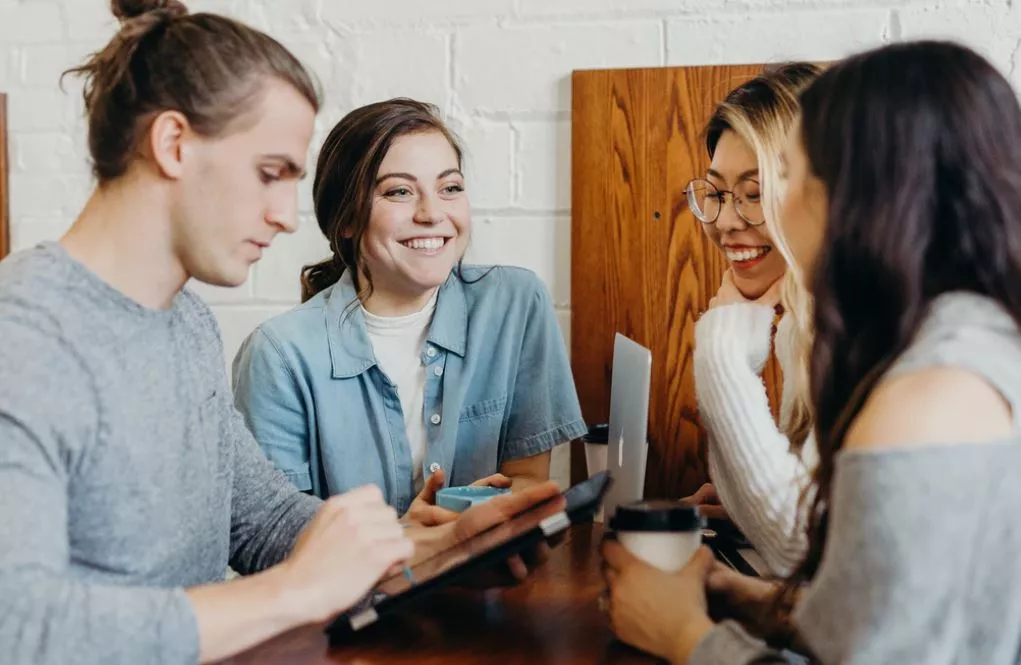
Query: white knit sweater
{"type": "Point", "coordinates": [757, 477]}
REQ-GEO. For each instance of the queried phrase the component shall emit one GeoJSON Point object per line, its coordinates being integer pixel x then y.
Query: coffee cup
{"type": "Point", "coordinates": [662, 533]}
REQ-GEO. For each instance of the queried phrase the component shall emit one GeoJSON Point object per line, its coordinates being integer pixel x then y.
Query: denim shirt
{"type": "Point", "coordinates": [498, 387]}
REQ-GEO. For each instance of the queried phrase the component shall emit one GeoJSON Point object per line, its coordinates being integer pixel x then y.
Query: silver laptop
{"type": "Point", "coordinates": [629, 422]}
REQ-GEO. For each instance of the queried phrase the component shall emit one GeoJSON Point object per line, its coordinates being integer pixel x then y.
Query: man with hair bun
{"type": "Point", "coordinates": [128, 482]}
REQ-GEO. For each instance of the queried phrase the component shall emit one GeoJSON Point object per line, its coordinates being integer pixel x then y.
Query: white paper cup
{"type": "Point", "coordinates": [664, 534]}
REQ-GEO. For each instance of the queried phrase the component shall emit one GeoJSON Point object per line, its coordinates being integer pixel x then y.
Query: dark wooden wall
{"type": "Point", "coordinates": [640, 263]}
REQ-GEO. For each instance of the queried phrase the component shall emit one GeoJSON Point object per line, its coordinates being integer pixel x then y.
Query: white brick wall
{"type": "Point", "coordinates": [500, 70]}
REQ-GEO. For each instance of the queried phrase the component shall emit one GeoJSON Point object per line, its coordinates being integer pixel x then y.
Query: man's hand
{"type": "Point", "coordinates": [353, 541]}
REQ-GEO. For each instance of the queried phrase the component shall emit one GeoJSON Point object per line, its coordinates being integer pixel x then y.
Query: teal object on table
{"type": "Point", "coordinates": [460, 499]}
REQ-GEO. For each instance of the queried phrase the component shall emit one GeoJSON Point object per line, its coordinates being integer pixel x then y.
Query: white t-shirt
{"type": "Point", "coordinates": [397, 342]}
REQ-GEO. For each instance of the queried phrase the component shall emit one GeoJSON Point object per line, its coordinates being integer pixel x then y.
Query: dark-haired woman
{"type": "Point", "coordinates": [403, 365]}
{"type": "Point", "coordinates": [903, 210]}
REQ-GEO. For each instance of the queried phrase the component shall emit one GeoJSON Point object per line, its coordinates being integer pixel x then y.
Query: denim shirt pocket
{"type": "Point", "coordinates": [478, 439]}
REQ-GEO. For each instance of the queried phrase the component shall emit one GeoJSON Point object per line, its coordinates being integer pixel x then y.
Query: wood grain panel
{"type": "Point", "coordinates": [641, 264]}
{"type": "Point", "coordinates": [5, 231]}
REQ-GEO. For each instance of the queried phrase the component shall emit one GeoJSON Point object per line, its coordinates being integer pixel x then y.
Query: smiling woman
{"type": "Point", "coordinates": [406, 368]}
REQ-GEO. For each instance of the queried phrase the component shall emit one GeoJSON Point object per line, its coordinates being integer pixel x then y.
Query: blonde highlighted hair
{"type": "Point", "coordinates": [762, 111]}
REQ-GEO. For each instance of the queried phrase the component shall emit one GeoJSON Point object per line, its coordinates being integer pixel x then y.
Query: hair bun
{"type": "Point", "coordinates": [125, 10]}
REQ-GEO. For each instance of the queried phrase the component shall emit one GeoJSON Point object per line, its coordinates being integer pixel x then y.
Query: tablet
{"type": "Point", "coordinates": [495, 545]}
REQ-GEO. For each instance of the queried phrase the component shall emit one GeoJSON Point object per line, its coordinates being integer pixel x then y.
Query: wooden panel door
{"type": "Point", "coordinates": [640, 263]}
{"type": "Point", "coordinates": [5, 232]}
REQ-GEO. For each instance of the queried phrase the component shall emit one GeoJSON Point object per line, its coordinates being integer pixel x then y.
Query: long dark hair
{"type": "Point", "coordinates": [918, 146]}
{"type": "Point", "coordinates": [346, 178]}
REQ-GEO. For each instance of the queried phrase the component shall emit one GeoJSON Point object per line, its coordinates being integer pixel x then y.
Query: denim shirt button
{"type": "Point", "coordinates": [430, 351]}
{"type": "Point", "coordinates": [438, 371]}
{"type": "Point", "coordinates": [435, 419]}
{"type": "Point", "coordinates": [434, 467]}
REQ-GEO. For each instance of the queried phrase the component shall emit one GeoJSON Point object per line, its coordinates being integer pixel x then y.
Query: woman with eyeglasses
{"type": "Point", "coordinates": [903, 213]}
{"type": "Point", "coordinates": [758, 468]}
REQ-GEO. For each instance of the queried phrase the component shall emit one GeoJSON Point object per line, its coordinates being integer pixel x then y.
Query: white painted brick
{"type": "Point", "coordinates": [46, 154]}
{"type": "Point", "coordinates": [528, 68]}
{"type": "Point", "coordinates": [90, 21]}
{"type": "Point", "coordinates": [7, 61]}
{"type": "Point", "coordinates": [274, 16]}
{"type": "Point", "coordinates": [487, 166]}
{"type": "Point", "coordinates": [277, 275]}
{"type": "Point", "coordinates": [401, 63]}
{"type": "Point", "coordinates": [623, 8]}
{"type": "Point", "coordinates": [40, 110]}
{"type": "Point", "coordinates": [31, 22]}
{"type": "Point", "coordinates": [988, 30]}
{"type": "Point", "coordinates": [231, 8]}
{"type": "Point", "coordinates": [237, 322]}
{"type": "Point", "coordinates": [8, 14]}
{"type": "Point", "coordinates": [48, 195]}
{"type": "Point", "coordinates": [31, 232]}
{"type": "Point", "coordinates": [739, 38]}
{"type": "Point", "coordinates": [543, 165]}
{"type": "Point", "coordinates": [541, 244]}
{"type": "Point", "coordinates": [344, 13]}
{"type": "Point", "coordinates": [507, 90]}
{"type": "Point", "coordinates": [327, 57]}
{"type": "Point", "coordinates": [42, 65]}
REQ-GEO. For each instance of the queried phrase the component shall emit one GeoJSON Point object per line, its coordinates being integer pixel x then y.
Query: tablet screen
{"type": "Point", "coordinates": [583, 496]}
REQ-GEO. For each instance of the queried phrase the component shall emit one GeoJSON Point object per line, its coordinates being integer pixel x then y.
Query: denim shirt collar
{"type": "Point", "coordinates": [350, 346]}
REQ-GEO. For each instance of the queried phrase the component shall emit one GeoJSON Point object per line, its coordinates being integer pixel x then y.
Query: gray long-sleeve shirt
{"type": "Point", "coordinates": [923, 559]}
{"type": "Point", "coordinates": [126, 474]}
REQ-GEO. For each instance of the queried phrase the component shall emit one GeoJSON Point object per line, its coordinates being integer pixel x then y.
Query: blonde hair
{"type": "Point", "coordinates": [762, 111]}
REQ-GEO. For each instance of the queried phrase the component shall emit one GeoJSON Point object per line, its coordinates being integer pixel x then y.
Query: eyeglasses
{"type": "Point", "coordinates": [706, 201]}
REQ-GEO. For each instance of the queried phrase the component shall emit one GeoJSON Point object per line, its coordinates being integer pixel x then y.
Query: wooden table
{"type": "Point", "coordinates": [551, 618]}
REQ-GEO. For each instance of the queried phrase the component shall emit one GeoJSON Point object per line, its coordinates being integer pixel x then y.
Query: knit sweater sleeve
{"type": "Point", "coordinates": [757, 477]}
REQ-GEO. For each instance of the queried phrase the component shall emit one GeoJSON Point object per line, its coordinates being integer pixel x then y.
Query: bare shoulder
{"type": "Point", "coordinates": [931, 406]}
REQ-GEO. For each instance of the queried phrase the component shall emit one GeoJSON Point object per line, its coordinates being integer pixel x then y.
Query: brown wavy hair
{"type": "Point", "coordinates": [345, 180]}
{"type": "Point", "coordinates": [208, 67]}
{"type": "Point", "coordinates": [918, 146]}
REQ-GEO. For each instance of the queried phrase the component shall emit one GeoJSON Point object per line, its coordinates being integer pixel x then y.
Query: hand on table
{"type": "Point", "coordinates": [708, 502]}
{"type": "Point", "coordinates": [751, 601]}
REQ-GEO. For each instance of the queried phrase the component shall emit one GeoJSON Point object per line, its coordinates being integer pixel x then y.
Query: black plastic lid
{"type": "Point", "coordinates": [597, 434]}
{"type": "Point", "coordinates": [659, 515]}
